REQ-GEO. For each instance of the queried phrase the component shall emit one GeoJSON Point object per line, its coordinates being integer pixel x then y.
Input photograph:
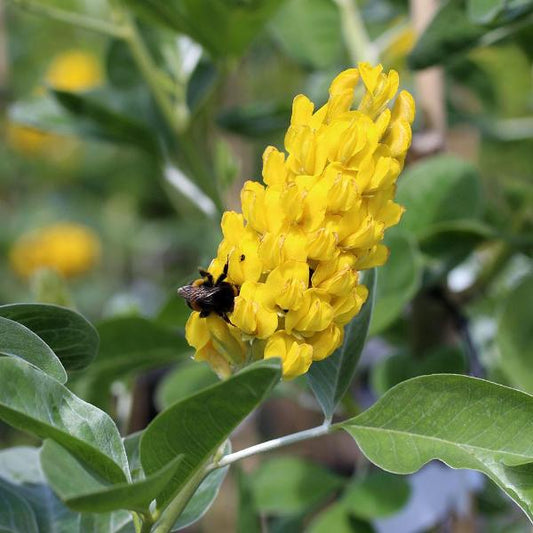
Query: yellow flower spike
{"type": "Point", "coordinates": [69, 249]}
{"type": "Point", "coordinates": [278, 248]}
{"type": "Point", "coordinates": [374, 257]}
{"type": "Point", "coordinates": [302, 111]}
{"type": "Point", "coordinates": [325, 342]}
{"type": "Point", "coordinates": [254, 314]}
{"type": "Point", "coordinates": [341, 93]}
{"type": "Point", "coordinates": [314, 314]}
{"type": "Point", "coordinates": [296, 356]}
{"type": "Point", "coordinates": [343, 191]}
{"type": "Point", "coordinates": [346, 307]}
{"type": "Point", "coordinates": [287, 284]}
{"type": "Point", "coordinates": [293, 257]}
{"type": "Point", "coordinates": [75, 70]}
{"type": "Point", "coordinates": [274, 169]}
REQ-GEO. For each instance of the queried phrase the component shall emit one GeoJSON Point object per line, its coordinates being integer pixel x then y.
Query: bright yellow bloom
{"type": "Point", "coordinates": [296, 250]}
{"type": "Point", "coordinates": [70, 249]}
{"type": "Point", "coordinates": [74, 70]}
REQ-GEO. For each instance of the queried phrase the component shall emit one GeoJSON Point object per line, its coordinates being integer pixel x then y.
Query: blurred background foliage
{"type": "Point", "coordinates": [127, 128]}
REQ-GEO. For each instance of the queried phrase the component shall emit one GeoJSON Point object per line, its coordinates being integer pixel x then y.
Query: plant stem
{"type": "Point", "coordinates": [176, 506]}
{"type": "Point", "coordinates": [359, 45]}
{"type": "Point", "coordinates": [273, 444]}
{"type": "Point", "coordinates": [151, 74]}
{"type": "Point", "coordinates": [61, 15]}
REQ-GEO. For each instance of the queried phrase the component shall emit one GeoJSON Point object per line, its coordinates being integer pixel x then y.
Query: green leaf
{"type": "Point", "coordinates": [186, 379]}
{"type": "Point", "coordinates": [398, 281]}
{"type": "Point", "coordinates": [94, 119]}
{"type": "Point", "coordinates": [437, 190]}
{"type": "Point", "coordinates": [484, 11]}
{"type": "Point", "coordinates": [129, 344]}
{"type": "Point", "coordinates": [204, 496]}
{"type": "Point", "coordinates": [36, 403]}
{"type": "Point", "coordinates": [515, 335]}
{"type": "Point", "coordinates": [377, 495]}
{"type": "Point", "coordinates": [248, 519]}
{"type": "Point", "coordinates": [73, 114]}
{"type": "Point", "coordinates": [449, 33]}
{"type": "Point", "coordinates": [403, 366]}
{"type": "Point", "coordinates": [16, 515]}
{"type": "Point", "coordinates": [463, 421]}
{"type": "Point", "coordinates": [72, 337]}
{"type": "Point", "coordinates": [287, 485]}
{"type": "Point", "coordinates": [224, 27]}
{"type": "Point", "coordinates": [83, 491]}
{"type": "Point", "coordinates": [336, 518]}
{"type": "Point", "coordinates": [255, 120]}
{"type": "Point", "coordinates": [17, 340]}
{"type": "Point", "coordinates": [330, 379]}
{"type": "Point", "coordinates": [20, 467]}
{"type": "Point", "coordinates": [198, 425]}
{"type": "Point", "coordinates": [310, 32]}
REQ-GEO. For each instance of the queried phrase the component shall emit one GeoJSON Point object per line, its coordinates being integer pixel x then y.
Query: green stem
{"type": "Point", "coordinates": [152, 75]}
{"type": "Point", "coordinates": [359, 45]}
{"type": "Point", "coordinates": [61, 15]}
{"type": "Point", "coordinates": [147, 523]}
{"type": "Point", "coordinates": [273, 444]}
{"type": "Point", "coordinates": [176, 506]}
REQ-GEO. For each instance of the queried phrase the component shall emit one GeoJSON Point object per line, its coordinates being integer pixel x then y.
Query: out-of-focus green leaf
{"type": "Point", "coordinates": [450, 32]}
{"type": "Point", "coordinates": [82, 115]}
{"type": "Point", "coordinates": [286, 485]}
{"type": "Point", "coordinates": [83, 491]}
{"type": "Point", "coordinates": [38, 404]}
{"type": "Point", "coordinates": [20, 467]}
{"type": "Point", "coordinates": [255, 120]}
{"type": "Point", "coordinates": [204, 496]}
{"type": "Point", "coordinates": [129, 344]}
{"type": "Point", "coordinates": [187, 379]}
{"type": "Point", "coordinates": [16, 515]}
{"type": "Point", "coordinates": [400, 367]}
{"type": "Point", "coordinates": [72, 338]}
{"type": "Point", "coordinates": [398, 280]}
{"type": "Point", "coordinates": [224, 27]}
{"type": "Point", "coordinates": [248, 519]}
{"type": "Point", "coordinates": [484, 11]}
{"type": "Point", "coordinates": [330, 379]}
{"type": "Point", "coordinates": [198, 425]}
{"type": "Point", "coordinates": [310, 32]}
{"type": "Point", "coordinates": [463, 421]}
{"type": "Point", "coordinates": [94, 119]}
{"type": "Point", "coordinates": [438, 190]}
{"type": "Point", "coordinates": [17, 341]}
{"type": "Point", "coordinates": [515, 335]}
{"type": "Point", "coordinates": [337, 518]}
{"type": "Point", "coordinates": [377, 495]}
{"type": "Point", "coordinates": [120, 66]}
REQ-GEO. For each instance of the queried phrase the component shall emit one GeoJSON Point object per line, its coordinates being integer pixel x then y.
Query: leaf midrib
{"type": "Point", "coordinates": [443, 441]}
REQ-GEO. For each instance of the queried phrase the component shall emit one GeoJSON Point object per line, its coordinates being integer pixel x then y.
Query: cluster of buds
{"type": "Point", "coordinates": [295, 253]}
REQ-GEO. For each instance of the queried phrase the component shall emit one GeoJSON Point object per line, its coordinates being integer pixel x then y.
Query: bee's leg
{"type": "Point", "coordinates": [204, 314]}
{"type": "Point", "coordinates": [207, 275]}
{"type": "Point", "coordinates": [226, 319]}
{"type": "Point", "coordinates": [224, 274]}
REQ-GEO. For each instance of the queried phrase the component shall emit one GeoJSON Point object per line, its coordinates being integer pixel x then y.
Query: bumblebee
{"type": "Point", "coordinates": [208, 296]}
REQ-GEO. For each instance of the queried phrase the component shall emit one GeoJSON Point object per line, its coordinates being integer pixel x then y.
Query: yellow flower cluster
{"type": "Point", "coordinates": [295, 251]}
{"type": "Point", "coordinates": [70, 249]}
{"type": "Point", "coordinates": [75, 70]}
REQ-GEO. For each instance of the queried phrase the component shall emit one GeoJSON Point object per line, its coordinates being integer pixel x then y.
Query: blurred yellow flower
{"type": "Point", "coordinates": [27, 140]}
{"type": "Point", "coordinates": [70, 249]}
{"type": "Point", "coordinates": [74, 70]}
{"type": "Point", "coordinates": [295, 252]}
